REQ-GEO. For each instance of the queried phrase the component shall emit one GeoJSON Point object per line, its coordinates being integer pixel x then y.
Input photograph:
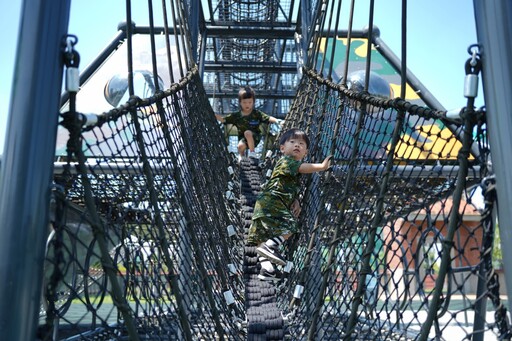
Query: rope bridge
{"type": "Point", "coordinates": [150, 213]}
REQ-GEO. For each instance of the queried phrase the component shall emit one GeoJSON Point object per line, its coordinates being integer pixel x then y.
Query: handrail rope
{"type": "Point", "coordinates": [56, 275]}
{"type": "Point", "coordinates": [343, 204]}
{"type": "Point", "coordinates": [472, 66]}
{"type": "Point", "coordinates": [315, 40]}
{"type": "Point", "coordinates": [372, 231]}
{"type": "Point", "coordinates": [194, 239]}
{"type": "Point", "coordinates": [177, 44]}
{"type": "Point", "coordinates": [135, 101]}
{"type": "Point", "coordinates": [322, 29]}
{"type": "Point", "coordinates": [202, 212]}
{"type": "Point", "coordinates": [153, 48]}
{"type": "Point", "coordinates": [74, 124]}
{"type": "Point", "coordinates": [307, 126]}
{"type": "Point", "coordinates": [333, 50]}
{"type": "Point", "coordinates": [307, 260]}
{"type": "Point", "coordinates": [319, 210]}
{"type": "Point", "coordinates": [146, 168]}
{"type": "Point", "coordinates": [403, 66]}
{"type": "Point", "coordinates": [349, 42]}
{"type": "Point", "coordinates": [129, 47]}
{"type": "Point", "coordinates": [423, 236]}
{"type": "Point", "coordinates": [187, 49]}
{"type": "Point", "coordinates": [167, 42]}
{"type": "Point", "coordinates": [220, 213]}
{"type": "Point", "coordinates": [369, 47]}
{"type": "Point", "coordinates": [199, 255]}
{"type": "Point", "coordinates": [396, 103]}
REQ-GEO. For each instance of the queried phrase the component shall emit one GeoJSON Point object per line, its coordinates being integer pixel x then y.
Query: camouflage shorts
{"type": "Point", "coordinates": [256, 137]}
{"type": "Point", "coordinates": [262, 229]}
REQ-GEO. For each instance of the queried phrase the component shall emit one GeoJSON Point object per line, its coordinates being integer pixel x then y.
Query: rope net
{"type": "Point", "coordinates": [389, 237]}
{"type": "Point", "coordinates": [166, 220]}
{"type": "Point", "coordinates": [150, 213]}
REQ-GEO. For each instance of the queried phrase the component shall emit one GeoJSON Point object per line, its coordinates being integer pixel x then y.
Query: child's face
{"type": "Point", "coordinates": [247, 104]}
{"type": "Point", "coordinates": [296, 148]}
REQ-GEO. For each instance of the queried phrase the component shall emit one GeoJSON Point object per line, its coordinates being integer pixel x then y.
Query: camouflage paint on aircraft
{"type": "Point", "coordinates": [357, 61]}
{"type": "Point", "coordinates": [421, 139]}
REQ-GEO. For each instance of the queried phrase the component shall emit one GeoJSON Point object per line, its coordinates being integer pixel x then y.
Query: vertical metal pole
{"type": "Point", "coordinates": [193, 24]}
{"type": "Point", "coordinates": [306, 22]}
{"type": "Point", "coordinates": [26, 170]}
{"type": "Point", "coordinates": [494, 30]}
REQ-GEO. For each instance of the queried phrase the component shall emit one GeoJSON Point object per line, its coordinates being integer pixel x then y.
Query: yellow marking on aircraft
{"type": "Point", "coordinates": [445, 146]}
{"type": "Point", "coordinates": [410, 94]}
{"type": "Point", "coordinates": [362, 49]}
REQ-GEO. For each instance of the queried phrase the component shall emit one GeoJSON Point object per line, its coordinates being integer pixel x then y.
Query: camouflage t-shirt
{"type": "Point", "coordinates": [279, 193]}
{"type": "Point", "coordinates": [250, 122]}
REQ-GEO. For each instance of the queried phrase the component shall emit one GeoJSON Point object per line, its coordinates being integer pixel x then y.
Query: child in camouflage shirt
{"type": "Point", "coordinates": [247, 121]}
{"type": "Point", "coordinates": [276, 210]}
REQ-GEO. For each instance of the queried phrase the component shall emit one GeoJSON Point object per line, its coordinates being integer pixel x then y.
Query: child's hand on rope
{"type": "Point", "coordinates": [327, 162]}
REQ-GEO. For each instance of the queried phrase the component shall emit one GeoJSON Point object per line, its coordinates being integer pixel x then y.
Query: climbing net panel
{"type": "Point", "coordinates": [396, 240]}
{"type": "Point", "coordinates": [146, 245]}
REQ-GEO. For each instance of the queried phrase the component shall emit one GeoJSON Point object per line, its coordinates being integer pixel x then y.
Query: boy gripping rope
{"type": "Point", "coordinates": [277, 208]}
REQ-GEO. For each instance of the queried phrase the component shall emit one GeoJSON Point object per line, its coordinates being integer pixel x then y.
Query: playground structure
{"type": "Point", "coordinates": [145, 221]}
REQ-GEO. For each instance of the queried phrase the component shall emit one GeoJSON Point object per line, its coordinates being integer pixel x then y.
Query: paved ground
{"type": "Point", "coordinates": [460, 325]}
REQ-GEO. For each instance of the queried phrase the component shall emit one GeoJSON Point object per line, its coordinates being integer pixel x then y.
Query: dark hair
{"type": "Point", "coordinates": [246, 92]}
{"type": "Point", "coordinates": [294, 133]}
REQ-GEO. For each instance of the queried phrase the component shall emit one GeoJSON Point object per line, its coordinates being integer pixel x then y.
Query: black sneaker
{"type": "Point", "coordinates": [265, 275]}
{"type": "Point", "coordinates": [270, 253]}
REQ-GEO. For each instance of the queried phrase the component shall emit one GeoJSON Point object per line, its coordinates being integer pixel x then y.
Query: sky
{"type": "Point", "coordinates": [439, 33]}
